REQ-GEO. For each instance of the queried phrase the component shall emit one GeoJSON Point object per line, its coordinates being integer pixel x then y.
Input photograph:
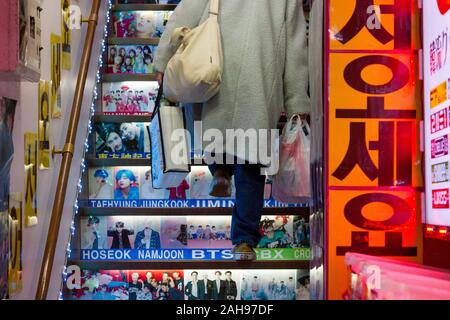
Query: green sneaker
{"type": "Point", "coordinates": [244, 252]}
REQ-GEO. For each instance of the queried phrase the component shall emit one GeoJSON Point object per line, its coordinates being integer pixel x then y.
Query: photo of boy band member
{"type": "Point", "coordinates": [215, 233]}
{"type": "Point", "coordinates": [100, 187]}
{"type": "Point", "coordinates": [120, 236]}
{"type": "Point", "coordinates": [127, 185]}
{"type": "Point", "coordinates": [93, 237]}
{"type": "Point", "coordinates": [135, 136]}
{"type": "Point", "coordinates": [274, 233]}
{"type": "Point", "coordinates": [147, 238]}
{"type": "Point", "coordinates": [211, 285]}
{"type": "Point", "coordinates": [109, 139]}
{"type": "Point", "coordinates": [268, 285]}
{"type": "Point", "coordinates": [100, 285]}
{"type": "Point", "coordinates": [174, 232]}
{"type": "Point", "coordinates": [301, 232]}
{"type": "Point", "coordinates": [195, 289]}
{"type": "Point", "coordinates": [155, 285]}
{"type": "Point", "coordinates": [147, 190]}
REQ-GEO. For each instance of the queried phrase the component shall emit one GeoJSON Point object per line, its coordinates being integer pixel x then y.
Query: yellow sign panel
{"type": "Point", "coordinates": [15, 235]}
{"type": "Point", "coordinates": [371, 25]}
{"type": "Point", "coordinates": [378, 223]}
{"type": "Point", "coordinates": [44, 125]}
{"type": "Point", "coordinates": [56, 56]}
{"type": "Point", "coordinates": [31, 147]}
{"type": "Point", "coordinates": [387, 114]}
{"type": "Point", "coordinates": [438, 95]}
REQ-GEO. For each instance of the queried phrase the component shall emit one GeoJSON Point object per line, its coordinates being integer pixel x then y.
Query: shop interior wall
{"type": "Point", "coordinates": [26, 120]}
{"type": "Point", "coordinates": [316, 59]}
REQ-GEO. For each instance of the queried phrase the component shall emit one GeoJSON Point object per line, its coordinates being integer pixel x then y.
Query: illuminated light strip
{"type": "Point", "coordinates": [76, 207]}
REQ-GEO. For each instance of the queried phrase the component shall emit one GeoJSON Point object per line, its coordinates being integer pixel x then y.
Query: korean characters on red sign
{"type": "Point", "coordinates": [373, 129]}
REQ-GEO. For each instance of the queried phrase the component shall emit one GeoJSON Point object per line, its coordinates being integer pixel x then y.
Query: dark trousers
{"type": "Point", "coordinates": [249, 202]}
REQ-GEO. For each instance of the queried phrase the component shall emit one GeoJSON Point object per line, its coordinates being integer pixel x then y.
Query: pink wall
{"type": "Point", "coordinates": [26, 120]}
{"type": "Point", "coordinates": [9, 24]}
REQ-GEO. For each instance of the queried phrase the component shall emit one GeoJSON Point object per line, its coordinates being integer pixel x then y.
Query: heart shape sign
{"type": "Point", "coordinates": [444, 6]}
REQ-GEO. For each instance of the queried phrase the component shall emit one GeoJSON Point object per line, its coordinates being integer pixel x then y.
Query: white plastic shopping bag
{"type": "Point", "coordinates": [292, 183]}
{"type": "Point", "coordinates": [170, 157]}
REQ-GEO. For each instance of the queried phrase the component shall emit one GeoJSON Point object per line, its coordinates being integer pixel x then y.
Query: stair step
{"type": "Point", "coordinates": [121, 118]}
{"type": "Point", "coordinates": [133, 41]}
{"type": "Point", "coordinates": [197, 265]}
{"type": "Point", "coordinates": [86, 211]}
{"type": "Point", "coordinates": [98, 162]}
{"type": "Point", "coordinates": [144, 7]}
{"type": "Point", "coordinates": [111, 77]}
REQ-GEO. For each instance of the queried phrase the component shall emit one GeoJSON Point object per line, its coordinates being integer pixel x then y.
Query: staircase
{"type": "Point", "coordinates": [132, 242]}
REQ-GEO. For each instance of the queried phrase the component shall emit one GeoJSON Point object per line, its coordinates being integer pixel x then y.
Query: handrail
{"type": "Point", "coordinates": [67, 155]}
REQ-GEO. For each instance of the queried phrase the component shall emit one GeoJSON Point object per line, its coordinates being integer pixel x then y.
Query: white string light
{"type": "Point", "coordinates": [76, 207]}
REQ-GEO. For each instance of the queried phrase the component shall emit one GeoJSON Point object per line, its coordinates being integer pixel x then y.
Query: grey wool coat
{"type": "Point", "coordinates": [265, 64]}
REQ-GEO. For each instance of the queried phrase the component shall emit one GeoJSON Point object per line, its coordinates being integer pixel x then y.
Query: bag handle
{"type": "Point", "coordinates": [214, 9]}
{"type": "Point", "coordinates": [158, 101]}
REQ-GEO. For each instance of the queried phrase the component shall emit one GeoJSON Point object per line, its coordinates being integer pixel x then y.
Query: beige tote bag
{"type": "Point", "coordinates": [194, 73]}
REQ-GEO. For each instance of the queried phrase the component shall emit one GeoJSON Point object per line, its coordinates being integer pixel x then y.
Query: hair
{"type": "Point", "coordinates": [132, 50]}
{"type": "Point", "coordinates": [147, 56]}
{"type": "Point", "coordinates": [228, 272]}
{"type": "Point", "coordinates": [218, 272]}
{"type": "Point", "coordinates": [147, 48]}
{"type": "Point", "coordinates": [128, 173]}
{"type": "Point", "coordinates": [303, 280]}
{"type": "Point", "coordinates": [194, 272]}
{"type": "Point", "coordinates": [120, 224]}
{"type": "Point", "coordinates": [93, 220]}
{"type": "Point", "coordinates": [101, 173]}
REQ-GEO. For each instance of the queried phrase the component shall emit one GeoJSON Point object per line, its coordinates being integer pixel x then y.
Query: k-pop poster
{"type": "Point", "coordinates": [303, 290]}
{"type": "Point", "coordinates": [116, 183]}
{"type": "Point", "coordinates": [140, 24]}
{"type": "Point", "coordinates": [126, 183]}
{"type": "Point", "coordinates": [94, 233]}
{"type": "Point", "coordinates": [99, 285]}
{"type": "Point", "coordinates": [214, 232]}
{"type": "Point", "coordinates": [66, 58]}
{"type": "Point", "coordinates": [174, 232]}
{"type": "Point", "coordinates": [147, 190]}
{"type": "Point", "coordinates": [122, 140]}
{"type": "Point", "coordinates": [44, 125]}
{"type": "Point", "coordinates": [15, 245]}
{"type": "Point", "coordinates": [156, 285]}
{"type": "Point", "coordinates": [212, 285]}
{"type": "Point", "coordinates": [200, 179]}
{"type": "Point", "coordinates": [30, 207]}
{"type": "Point", "coordinates": [268, 285]}
{"type": "Point", "coordinates": [7, 114]}
{"type": "Point", "coordinates": [134, 232]}
{"type": "Point", "coordinates": [131, 59]}
{"type": "Point", "coordinates": [276, 232]}
{"type": "Point", "coordinates": [301, 232]}
{"type": "Point", "coordinates": [56, 56]}
{"type": "Point", "coordinates": [101, 183]}
{"type": "Point", "coordinates": [131, 97]}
